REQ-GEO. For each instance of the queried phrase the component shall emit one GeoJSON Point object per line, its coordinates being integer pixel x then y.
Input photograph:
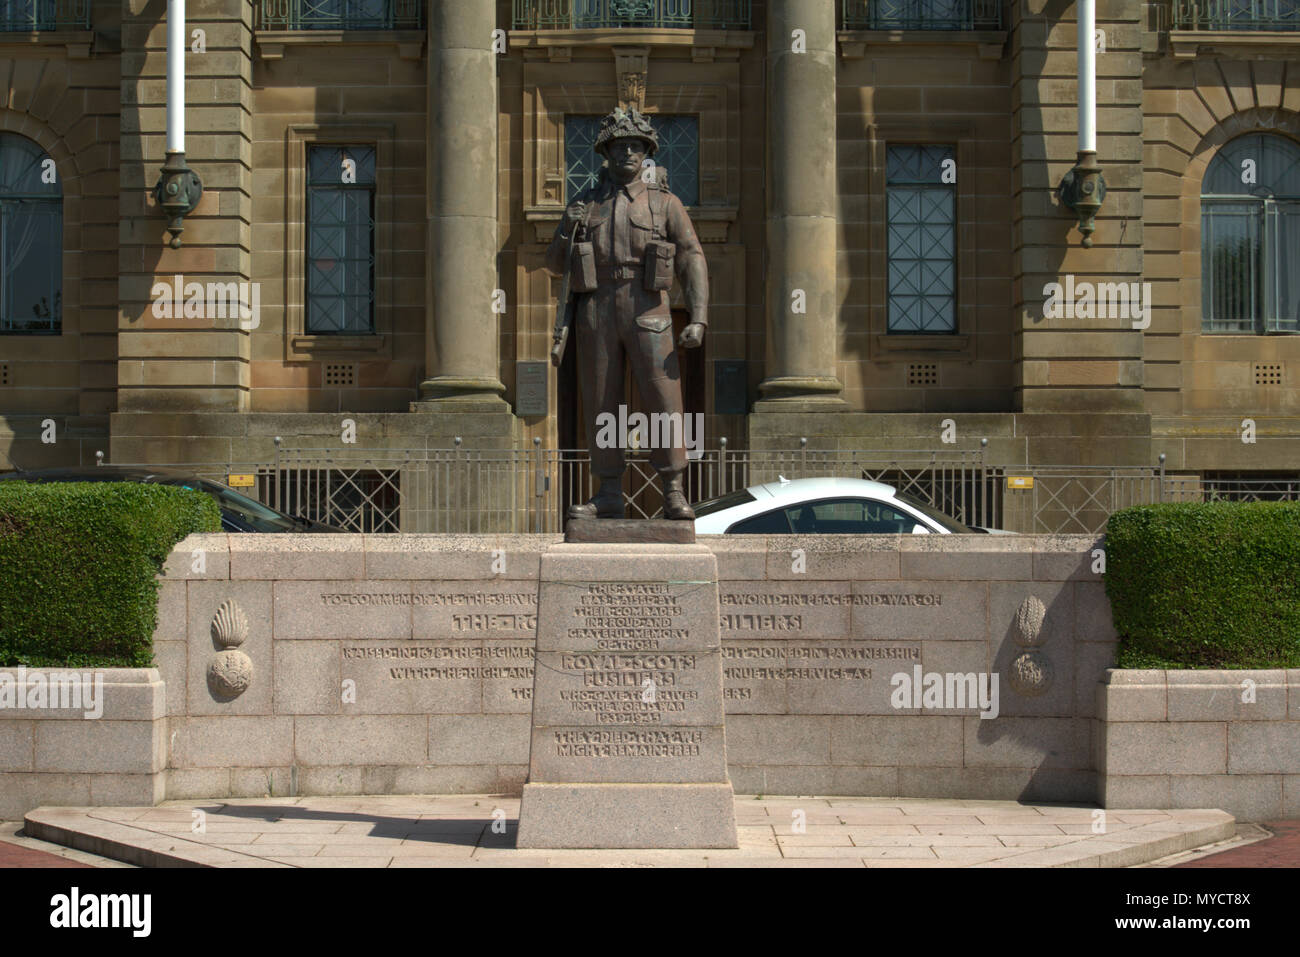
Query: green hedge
{"type": "Point", "coordinates": [1206, 584]}
{"type": "Point", "coordinates": [77, 567]}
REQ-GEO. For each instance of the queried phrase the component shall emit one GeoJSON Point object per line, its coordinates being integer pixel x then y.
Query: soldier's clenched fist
{"type": "Point", "coordinates": [576, 212]}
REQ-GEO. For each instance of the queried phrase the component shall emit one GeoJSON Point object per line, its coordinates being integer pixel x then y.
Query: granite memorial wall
{"type": "Point", "coordinates": [387, 664]}
{"type": "Point", "coordinates": [382, 664]}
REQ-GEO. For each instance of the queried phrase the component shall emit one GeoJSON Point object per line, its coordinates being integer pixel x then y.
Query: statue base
{"type": "Point", "coordinates": [628, 743]}
{"type": "Point", "coordinates": [629, 531]}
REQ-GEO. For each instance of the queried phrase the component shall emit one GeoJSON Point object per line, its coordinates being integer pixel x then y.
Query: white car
{"type": "Point", "coordinates": [825, 506]}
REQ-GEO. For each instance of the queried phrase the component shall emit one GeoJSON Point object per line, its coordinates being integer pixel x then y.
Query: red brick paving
{"type": "Point", "coordinates": [13, 855]}
{"type": "Point", "coordinates": [1280, 850]}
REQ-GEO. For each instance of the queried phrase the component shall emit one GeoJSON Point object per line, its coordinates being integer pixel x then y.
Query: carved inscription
{"type": "Point", "coordinates": [625, 616]}
{"type": "Point", "coordinates": [824, 598]}
{"type": "Point", "coordinates": [629, 657]}
{"type": "Point", "coordinates": [442, 677]}
{"type": "Point", "coordinates": [773, 612]}
{"type": "Point", "coordinates": [793, 677]}
{"type": "Point", "coordinates": [626, 678]}
{"type": "Point", "coordinates": [527, 599]}
{"type": "Point", "coordinates": [667, 743]}
{"type": "Point", "coordinates": [449, 662]}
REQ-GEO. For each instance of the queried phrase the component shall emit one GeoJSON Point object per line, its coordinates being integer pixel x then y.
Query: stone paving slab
{"type": "Point", "coordinates": [479, 831]}
{"type": "Point", "coordinates": [19, 850]}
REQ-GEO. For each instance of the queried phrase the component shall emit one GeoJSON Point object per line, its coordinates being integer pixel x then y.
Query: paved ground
{"type": "Point", "coordinates": [479, 830]}
{"type": "Point", "coordinates": [17, 850]}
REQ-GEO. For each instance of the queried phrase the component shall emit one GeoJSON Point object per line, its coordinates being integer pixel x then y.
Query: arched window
{"type": "Point", "coordinates": [31, 239]}
{"type": "Point", "coordinates": [1250, 236]}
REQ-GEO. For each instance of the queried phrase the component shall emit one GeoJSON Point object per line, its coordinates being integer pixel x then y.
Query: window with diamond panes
{"type": "Point", "coordinates": [921, 244]}
{"type": "Point", "coordinates": [31, 239]}
{"type": "Point", "coordinates": [341, 14]}
{"type": "Point", "coordinates": [340, 240]}
{"type": "Point", "coordinates": [1250, 237]}
{"type": "Point", "coordinates": [678, 154]}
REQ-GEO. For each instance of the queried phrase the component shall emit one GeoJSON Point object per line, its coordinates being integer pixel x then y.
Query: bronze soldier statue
{"type": "Point", "coordinates": [636, 235]}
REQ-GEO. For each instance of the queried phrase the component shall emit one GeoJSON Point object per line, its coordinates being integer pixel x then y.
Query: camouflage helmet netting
{"type": "Point", "coordinates": [626, 123]}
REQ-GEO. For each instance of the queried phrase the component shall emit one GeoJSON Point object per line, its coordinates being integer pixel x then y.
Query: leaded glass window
{"type": "Point", "coordinates": [619, 14]}
{"type": "Point", "coordinates": [340, 240]}
{"type": "Point", "coordinates": [678, 154]}
{"type": "Point", "coordinates": [18, 16]}
{"type": "Point", "coordinates": [921, 245]}
{"type": "Point", "coordinates": [341, 14]}
{"type": "Point", "coordinates": [31, 239]}
{"type": "Point", "coordinates": [922, 15]}
{"type": "Point", "coordinates": [1237, 14]}
{"type": "Point", "coordinates": [1250, 237]}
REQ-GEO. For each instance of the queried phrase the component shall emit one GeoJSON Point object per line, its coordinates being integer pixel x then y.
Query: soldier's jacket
{"type": "Point", "coordinates": [619, 224]}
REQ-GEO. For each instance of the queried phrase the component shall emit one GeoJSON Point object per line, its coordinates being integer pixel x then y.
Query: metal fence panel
{"type": "Point", "coordinates": [529, 490]}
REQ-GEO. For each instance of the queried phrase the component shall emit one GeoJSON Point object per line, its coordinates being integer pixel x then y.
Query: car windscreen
{"type": "Point", "coordinates": [944, 521]}
{"type": "Point", "coordinates": [730, 500]}
{"type": "Point", "coordinates": [256, 514]}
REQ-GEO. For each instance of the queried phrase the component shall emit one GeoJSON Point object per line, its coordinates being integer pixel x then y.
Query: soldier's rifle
{"type": "Point", "coordinates": [564, 305]}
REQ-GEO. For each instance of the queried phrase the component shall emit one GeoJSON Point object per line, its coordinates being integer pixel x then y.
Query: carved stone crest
{"type": "Point", "coordinates": [230, 671]}
{"type": "Point", "coordinates": [631, 64]}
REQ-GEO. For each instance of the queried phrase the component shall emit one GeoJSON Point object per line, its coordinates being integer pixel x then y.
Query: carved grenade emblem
{"type": "Point", "coordinates": [1030, 672]}
{"type": "Point", "coordinates": [230, 671]}
{"type": "Point", "coordinates": [1029, 621]}
{"type": "Point", "coordinates": [229, 625]}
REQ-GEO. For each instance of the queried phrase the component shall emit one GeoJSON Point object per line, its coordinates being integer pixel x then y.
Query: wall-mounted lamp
{"type": "Point", "coordinates": [1083, 188]}
{"type": "Point", "coordinates": [179, 187]}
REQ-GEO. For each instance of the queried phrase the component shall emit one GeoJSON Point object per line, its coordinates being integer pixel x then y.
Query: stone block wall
{"type": "Point", "coordinates": [1225, 739]}
{"type": "Point", "coordinates": [383, 664]}
{"type": "Point", "coordinates": [374, 665]}
{"type": "Point", "coordinates": [70, 756]}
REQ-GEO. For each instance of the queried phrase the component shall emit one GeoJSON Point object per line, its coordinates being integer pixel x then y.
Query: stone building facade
{"type": "Point", "coordinates": [873, 180]}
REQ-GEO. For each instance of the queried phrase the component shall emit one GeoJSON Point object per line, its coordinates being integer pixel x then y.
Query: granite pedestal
{"type": "Point", "coordinates": [628, 746]}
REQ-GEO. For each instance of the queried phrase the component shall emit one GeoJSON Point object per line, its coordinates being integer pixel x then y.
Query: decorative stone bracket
{"type": "Point", "coordinates": [631, 64]}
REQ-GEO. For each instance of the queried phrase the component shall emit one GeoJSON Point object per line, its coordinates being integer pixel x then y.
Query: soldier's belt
{"type": "Point", "coordinates": [634, 271]}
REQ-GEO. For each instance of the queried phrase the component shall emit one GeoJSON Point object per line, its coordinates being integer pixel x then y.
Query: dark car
{"type": "Point", "coordinates": [238, 512]}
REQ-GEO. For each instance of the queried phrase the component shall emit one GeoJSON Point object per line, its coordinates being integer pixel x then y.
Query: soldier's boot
{"type": "Point", "coordinates": [606, 503]}
{"type": "Point", "coordinates": [675, 504]}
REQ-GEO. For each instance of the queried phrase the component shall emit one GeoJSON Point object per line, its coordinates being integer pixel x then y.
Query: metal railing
{"type": "Point", "coordinates": [463, 490]}
{"type": "Point", "coordinates": [596, 14]}
{"type": "Point", "coordinates": [1073, 499]}
{"type": "Point", "coordinates": [1236, 15]}
{"type": "Point", "coordinates": [28, 16]}
{"type": "Point", "coordinates": [921, 15]}
{"type": "Point", "coordinates": [529, 490]}
{"type": "Point", "coordinates": [341, 15]}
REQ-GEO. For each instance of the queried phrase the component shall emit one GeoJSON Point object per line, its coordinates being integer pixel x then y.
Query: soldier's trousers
{"type": "Point", "coordinates": [608, 337]}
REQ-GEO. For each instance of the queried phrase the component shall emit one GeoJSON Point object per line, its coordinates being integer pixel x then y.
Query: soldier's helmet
{"type": "Point", "coordinates": [626, 123]}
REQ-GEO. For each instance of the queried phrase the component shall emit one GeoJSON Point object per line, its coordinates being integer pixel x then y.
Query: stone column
{"type": "Point", "coordinates": [461, 332]}
{"type": "Point", "coordinates": [801, 221]}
